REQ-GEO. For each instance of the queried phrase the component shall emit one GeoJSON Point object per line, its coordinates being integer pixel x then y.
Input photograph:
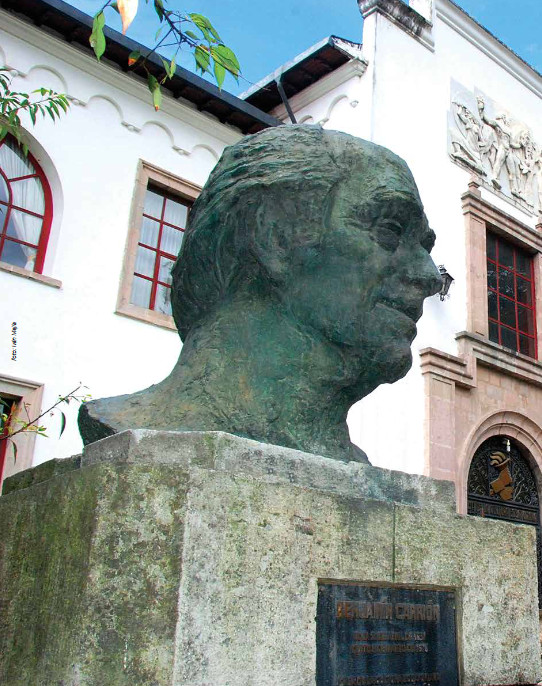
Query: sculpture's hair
{"type": "Point", "coordinates": [236, 225]}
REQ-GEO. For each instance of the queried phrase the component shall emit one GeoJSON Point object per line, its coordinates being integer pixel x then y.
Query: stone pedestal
{"type": "Point", "coordinates": [193, 559]}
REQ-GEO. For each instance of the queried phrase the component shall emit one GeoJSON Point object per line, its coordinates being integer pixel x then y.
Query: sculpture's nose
{"type": "Point", "coordinates": [434, 279]}
{"type": "Point", "coordinates": [424, 273]}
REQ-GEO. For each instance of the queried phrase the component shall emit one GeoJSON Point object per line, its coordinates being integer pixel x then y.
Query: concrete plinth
{"type": "Point", "coordinates": [193, 560]}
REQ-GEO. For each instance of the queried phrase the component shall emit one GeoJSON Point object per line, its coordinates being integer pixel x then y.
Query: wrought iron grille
{"type": "Point", "coordinates": [501, 485]}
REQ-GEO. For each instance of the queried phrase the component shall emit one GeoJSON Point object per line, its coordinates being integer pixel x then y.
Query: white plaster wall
{"type": "Point", "coordinates": [72, 334]}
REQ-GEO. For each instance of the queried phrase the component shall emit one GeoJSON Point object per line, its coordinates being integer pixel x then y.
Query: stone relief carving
{"type": "Point", "coordinates": [499, 148]}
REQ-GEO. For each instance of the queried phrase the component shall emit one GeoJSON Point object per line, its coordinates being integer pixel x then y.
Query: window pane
{"type": "Point", "coordinates": [18, 255]}
{"type": "Point", "coordinates": [491, 275]}
{"type": "Point", "coordinates": [523, 263]}
{"type": "Point", "coordinates": [171, 240]}
{"type": "Point", "coordinates": [490, 242]}
{"type": "Point", "coordinates": [506, 255]}
{"type": "Point", "coordinates": [163, 299]}
{"type": "Point", "coordinates": [149, 232]}
{"type": "Point", "coordinates": [526, 345]}
{"type": "Point", "coordinates": [4, 193]}
{"type": "Point", "coordinates": [508, 338]}
{"type": "Point", "coordinates": [166, 266]}
{"type": "Point", "coordinates": [153, 204]}
{"type": "Point", "coordinates": [506, 282]}
{"type": "Point", "coordinates": [28, 194]}
{"type": "Point", "coordinates": [145, 261]}
{"type": "Point", "coordinates": [176, 213]}
{"type": "Point", "coordinates": [508, 312]}
{"type": "Point", "coordinates": [161, 237]}
{"type": "Point", "coordinates": [525, 320]}
{"type": "Point", "coordinates": [493, 332]}
{"type": "Point", "coordinates": [524, 290]}
{"type": "Point", "coordinates": [24, 227]}
{"type": "Point", "coordinates": [141, 292]}
{"type": "Point", "coordinates": [12, 160]}
{"type": "Point", "coordinates": [492, 305]}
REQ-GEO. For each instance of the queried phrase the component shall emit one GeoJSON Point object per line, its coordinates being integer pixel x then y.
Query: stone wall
{"type": "Point", "coordinates": [194, 559]}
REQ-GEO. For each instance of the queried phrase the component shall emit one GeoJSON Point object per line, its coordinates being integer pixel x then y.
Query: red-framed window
{"type": "Point", "coordinates": [160, 239]}
{"type": "Point", "coordinates": [511, 296]}
{"type": "Point", "coordinates": [26, 208]}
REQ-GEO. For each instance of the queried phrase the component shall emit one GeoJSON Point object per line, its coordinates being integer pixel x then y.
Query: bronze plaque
{"type": "Point", "coordinates": [385, 635]}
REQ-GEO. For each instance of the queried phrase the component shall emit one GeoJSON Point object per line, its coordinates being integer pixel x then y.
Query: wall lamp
{"type": "Point", "coordinates": [447, 280]}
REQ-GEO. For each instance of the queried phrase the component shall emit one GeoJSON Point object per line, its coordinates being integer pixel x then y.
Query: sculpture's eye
{"type": "Point", "coordinates": [387, 233]}
{"type": "Point", "coordinates": [428, 240]}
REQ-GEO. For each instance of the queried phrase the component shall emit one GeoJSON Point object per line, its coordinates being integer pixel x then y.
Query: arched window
{"type": "Point", "coordinates": [501, 485]}
{"type": "Point", "coordinates": [26, 208]}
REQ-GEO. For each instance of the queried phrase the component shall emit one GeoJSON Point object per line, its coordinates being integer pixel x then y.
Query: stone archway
{"type": "Point", "coordinates": [502, 478]}
{"type": "Point", "coordinates": [513, 425]}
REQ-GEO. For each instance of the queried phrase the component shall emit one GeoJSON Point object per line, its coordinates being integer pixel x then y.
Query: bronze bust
{"type": "Point", "coordinates": [302, 274]}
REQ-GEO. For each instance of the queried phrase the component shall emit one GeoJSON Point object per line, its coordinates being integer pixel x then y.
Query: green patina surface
{"type": "Point", "coordinates": [89, 573]}
{"type": "Point", "coordinates": [301, 276]}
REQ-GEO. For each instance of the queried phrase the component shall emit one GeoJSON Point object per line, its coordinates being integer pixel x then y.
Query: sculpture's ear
{"type": "Point", "coordinates": [270, 246]}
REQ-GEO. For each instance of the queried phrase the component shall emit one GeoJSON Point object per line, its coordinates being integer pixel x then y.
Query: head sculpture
{"type": "Point", "coordinates": [305, 263]}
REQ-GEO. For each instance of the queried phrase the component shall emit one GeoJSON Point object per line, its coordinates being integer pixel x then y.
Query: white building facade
{"type": "Point", "coordinates": [430, 84]}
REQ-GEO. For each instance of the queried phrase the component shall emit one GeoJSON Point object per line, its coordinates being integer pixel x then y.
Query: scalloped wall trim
{"type": "Point", "coordinates": [104, 73]}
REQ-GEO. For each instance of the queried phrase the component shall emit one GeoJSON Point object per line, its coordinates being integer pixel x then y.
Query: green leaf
{"type": "Point", "coordinates": [169, 67]}
{"type": "Point", "coordinates": [157, 34]}
{"type": "Point", "coordinates": [192, 35]}
{"type": "Point", "coordinates": [114, 6]}
{"type": "Point", "coordinates": [202, 58]}
{"type": "Point", "coordinates": [154, 88]}
{"type": "Point", "coordinates": [205, 26]}
{"type": "Point", "coordinates": [14, 450]}
{"type": "Point", "coordinates": [159, 8]}
{"type": "Point", "coordinates": [62, 423]}
{"type": "Point", "coordinates": [157, 98]}
{"type": "Point", "coordinates": [63, 102]}
{"type": "Point", "coordinates": [214, 32]}
{"type": "Point", "coordinates": [133, 57]}
{"type": "Point", "coordinates": [227, 58]}
{"type": "Point", "coordinates": [97, 38]}
{"type": "Point", "coordinates": [220, 73]}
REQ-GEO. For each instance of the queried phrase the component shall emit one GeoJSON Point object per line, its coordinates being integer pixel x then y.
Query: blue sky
{"type": "Point", "coordinates": [264, 34]}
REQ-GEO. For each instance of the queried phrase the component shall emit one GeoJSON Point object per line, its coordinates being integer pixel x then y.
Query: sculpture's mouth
{"type": "Point", "coordinates": [411, 310]}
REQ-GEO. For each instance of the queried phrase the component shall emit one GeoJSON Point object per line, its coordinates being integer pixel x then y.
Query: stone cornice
{"type": "Point", "coordinates": [473, 204]}
{"type": "Point", "coordinates": [403, 16]}
{"type": "Point", "coordinates": [493, 48]}
{"type": "Point", "coordinates": [493, 355]}
{"type": "Point", "coordinates": [438, 363]}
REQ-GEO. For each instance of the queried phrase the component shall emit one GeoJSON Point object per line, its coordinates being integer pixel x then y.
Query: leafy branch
{"type": "Point", "coordinates": [191, 30]}
{"type": "Point", "coordinates": [40, 102]}
{"type": "Point", "coordinates": [14, 425]}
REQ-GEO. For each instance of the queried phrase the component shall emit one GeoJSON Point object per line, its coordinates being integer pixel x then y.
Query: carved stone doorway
{"type": "Point", "coordinates": [501, 485]}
